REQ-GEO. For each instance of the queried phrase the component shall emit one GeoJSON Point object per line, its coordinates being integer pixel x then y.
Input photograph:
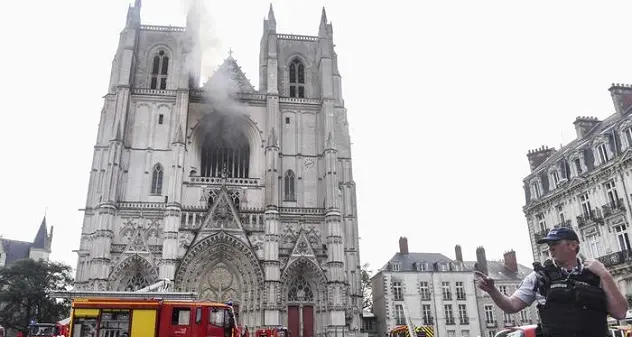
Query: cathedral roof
{"type": "Point", "coordinates": [229, 77]}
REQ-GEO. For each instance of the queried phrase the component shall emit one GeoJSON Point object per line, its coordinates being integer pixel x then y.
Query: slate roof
{"type": "Point", "coordinates": [15, 250]}
{"type": "Point", "coordinates": [407, 260]}
{"type": "Point", "coordinates": [497, 270]}
{"type": "Point", "coordinates": [229, 77]}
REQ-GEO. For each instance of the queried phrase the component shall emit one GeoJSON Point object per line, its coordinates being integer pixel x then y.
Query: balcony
{"type": "Point", "coordinates": [541, 234]}
{"type": "Point", "coordinates": [564, 224]}
{"type": "Point", "coordinates": [613, 208]}
{"type": "Point", "coordinates": [618, 262]}
{"type": "Point", "coordinates": [591, 217]}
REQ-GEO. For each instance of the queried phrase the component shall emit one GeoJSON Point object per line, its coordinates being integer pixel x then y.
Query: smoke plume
{"type": "Point", "coordinates": [220, 85]}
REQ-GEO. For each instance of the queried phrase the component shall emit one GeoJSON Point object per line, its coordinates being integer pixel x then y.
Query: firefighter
{"type": "Point", "coordinates": [574, 297]}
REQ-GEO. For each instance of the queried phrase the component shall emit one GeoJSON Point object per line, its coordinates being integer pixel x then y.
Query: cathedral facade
{"type": "Point", "coordinates": [233, 192]}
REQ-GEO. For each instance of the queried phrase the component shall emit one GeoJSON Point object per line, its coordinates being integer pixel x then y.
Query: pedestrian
{"type": "Point", "coordinates": [574, 297]}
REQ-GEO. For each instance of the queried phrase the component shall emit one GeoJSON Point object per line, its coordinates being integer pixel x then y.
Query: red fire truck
{"type": "Point", "coordinates": [48, 329]}
{"type": "Point", "coordinates": [151, 318]}
{"type": "Point", "coordinates": [272, 332]}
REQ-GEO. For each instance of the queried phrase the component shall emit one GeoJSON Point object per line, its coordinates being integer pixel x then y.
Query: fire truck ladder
{"type": "Point", "coordinates": [409, 321]}
{"type": "Point", "coordinates": [158, 290]}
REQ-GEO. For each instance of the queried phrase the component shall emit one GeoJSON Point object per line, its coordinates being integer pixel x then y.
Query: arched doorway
{"type": "Point", "coordinates": [305, 297]}
{"type": "Point", "coordinates": [221, 268]}
{"type": "Point", "coordinates": [225, 148]}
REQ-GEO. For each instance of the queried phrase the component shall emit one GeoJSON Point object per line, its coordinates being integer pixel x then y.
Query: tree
{"type": "Point", "coordinates": [24, 288]}
{"type": "Point", "coordinates": [367, 301]}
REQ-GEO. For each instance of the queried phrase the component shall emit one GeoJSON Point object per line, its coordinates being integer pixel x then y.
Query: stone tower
{"type": "Point", "coordinates": [235, 193]}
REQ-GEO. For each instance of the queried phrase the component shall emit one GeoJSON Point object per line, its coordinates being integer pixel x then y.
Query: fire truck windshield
{"type": "Point", "coordinates": [37, 330]}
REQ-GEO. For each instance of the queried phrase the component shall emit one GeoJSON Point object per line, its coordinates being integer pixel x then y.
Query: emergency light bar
{"type": "Point", "coordinates": [167, 295]}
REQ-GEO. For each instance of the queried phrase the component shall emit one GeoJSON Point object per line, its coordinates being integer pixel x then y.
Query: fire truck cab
{"type": "Point", "coordinates": [151, 318]}
{"type": "Point", "coordinates": [48, 329]}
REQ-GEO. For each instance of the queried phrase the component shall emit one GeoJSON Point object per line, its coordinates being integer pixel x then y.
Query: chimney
{"type": "Point", "coordinates": [481, 260]}
{"type": "Point", "coordinates": [511, 263]}
{"type": "Point", "coordinates": [403, 245]}
{"type": "Point", "coordinates": [583, 125]}
{"type": "Point", "coordinates": [458, 253]}
{"type": "Point", "coordinates": [621, 97]}
{"type": "Point", "coordinates": [538, 156]}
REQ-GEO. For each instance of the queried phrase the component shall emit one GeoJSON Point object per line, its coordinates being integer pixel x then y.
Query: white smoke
{"type": "Point", "coordinates": [227, 110]}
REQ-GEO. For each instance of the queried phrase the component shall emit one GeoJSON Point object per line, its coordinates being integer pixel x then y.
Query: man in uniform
{"type": "Point", "coordinates": [574, 297]}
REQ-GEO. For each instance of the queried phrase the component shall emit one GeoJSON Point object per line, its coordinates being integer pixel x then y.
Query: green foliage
{"type": "Point", "coordinates": [367, 302]}
{"type": "Point", "coordinates": [24, 288]}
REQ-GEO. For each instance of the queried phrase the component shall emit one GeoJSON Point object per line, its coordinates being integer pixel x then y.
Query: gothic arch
{"type": "Point", "coordinates": [301, 58]}
{"type": "Point", "coordinates": [132, 273]}
{"type": "Point", "coordinates": [308, 270]}
{"type": "Point", "coordinates": [244, 124]}
{"type": "Point", "coordinates": [223, 254]}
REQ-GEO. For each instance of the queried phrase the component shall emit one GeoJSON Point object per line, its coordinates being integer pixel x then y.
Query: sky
{"type": "Point", "coordinates": [444, 100]}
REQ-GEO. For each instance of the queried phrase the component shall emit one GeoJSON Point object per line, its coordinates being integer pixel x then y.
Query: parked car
{"type": "Point", "coordinates": [518, 331]}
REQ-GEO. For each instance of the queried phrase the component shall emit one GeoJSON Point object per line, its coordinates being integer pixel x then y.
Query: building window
{"type": "Point", "coordinates": [577, 166]}
{"type": "Point", "coordinates": [297, 79]}
{"type": "Point", "coordinates": [593, 245]}
{"type": "Point", "coordinates": [460, 291]}
{"type": "Point", "coordinates": [160, 118]}
{"type": "Point", "coordinates": [449, 315]}
{"type": "Point", "coordinates": [491, 333]}
{"type": "Point", "coordinates": [463, 314]}
{"type": "Point", "coordinates": [535, 189]}
{"type": "Point", "coordinates": [627, 134]}
{"type": "Point", "coordinates": [560, 214]}
{"type": "Point", "coordinates": [622, 237]}
{"type": "Point", "coordinates": [426, 314]}
{"type": "Point", "coordinates": [603, 153]}
{"type": "Point", "coordinates": [397, 291]}
{"type": "Point", "coordinates": [399, 315]}
{"type": "Point", "coordinates": [159, 70]}
{"type": "Point", "coordinates": [445, 291]}
{"type": "Point", "coordinates": [507, 317]}
{"type": "Point", "coordinates": [424, 290]}
{"type": "Point", "coordinates": [395, 266]}
{"type": "Point", "coordinates": [555, 178]}
{"type": "Point", "coordinates": [503, 289]}
{"type": "Point", "coordinates": [156, 180]}
{"type": "Point", "coordinates": [489, 314]}
{"type": "Point", "coordinates": [451, 333]}
{"type": "Point", "coordinates": [611, 194]}
{"type": "Point", "coordinates": [585, 204]}
{"type": "Point", "coordinates": [465, 333]}
{"type": "Point", "coordinates": [541, 222]}
{"type": "Point", "coordinates": [289, 184]}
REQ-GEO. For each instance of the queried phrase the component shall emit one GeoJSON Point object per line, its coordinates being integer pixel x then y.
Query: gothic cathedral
{"type": "Point", "coordinates": [232, 192]}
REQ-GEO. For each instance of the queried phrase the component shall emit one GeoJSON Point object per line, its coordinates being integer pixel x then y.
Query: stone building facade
{"type": "Point", "coordinates": [507, 274]}
{"type": "Point", "coordinates": [235, 193]}
{"type": "Point", "coordinates": [431, 289]}
{"type": "Point", "coordinates": [586, 185]}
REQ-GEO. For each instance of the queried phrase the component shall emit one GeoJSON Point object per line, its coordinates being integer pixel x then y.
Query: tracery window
{"type": "Point", "coordinates": [159, 70]}
{"type": "Point", "coordinates": [136, 282]}
{"type": "Point", "coordinates": [300, 291]}
{"type": "Point", "coordinates": [297, 79]}
{"type": "Point", "coordinates": [225, 152]}
{"type": "Point", "coordinates": [156, 180]}
{"type": "Point", "coordinates": [289, 185]}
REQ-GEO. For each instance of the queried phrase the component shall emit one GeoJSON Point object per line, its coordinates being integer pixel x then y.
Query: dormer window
{"type": "Point", "coordinates": [577, 163]}
{"type": "Point", "coordinates": [554, 178]}
{"type": "Point", "coordinates": [536, 191]}
{"type": "Point", "coordinates": [421, 266]}
{"type": "Point", "coordinates": [395, 266]}
{"type": "Point", "coordinates": [626, 134]}
{"type": "Point", "coordinates": [601, 150]}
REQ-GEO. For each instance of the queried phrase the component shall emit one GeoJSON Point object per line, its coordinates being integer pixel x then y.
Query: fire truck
{"type": "Point", "coordinates": [272, 332]}
{"type": "Point", "coordinates": [48, 329]}
{"type": "Point", "coordinates": [147, 313]}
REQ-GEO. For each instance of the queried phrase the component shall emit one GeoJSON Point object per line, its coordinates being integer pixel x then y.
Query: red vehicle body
{"type": "Point", "coordinates": [48, 329]}
{"type": "Point", "coordinates": [151, 318]}
{"type": "Point", "coordinates": [519, 331]}
{"type": "Point", "coordinates": [272, 332]}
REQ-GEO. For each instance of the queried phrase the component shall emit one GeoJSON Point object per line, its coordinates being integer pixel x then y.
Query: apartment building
{"type": "Point", "coordinates": [586, 185]}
